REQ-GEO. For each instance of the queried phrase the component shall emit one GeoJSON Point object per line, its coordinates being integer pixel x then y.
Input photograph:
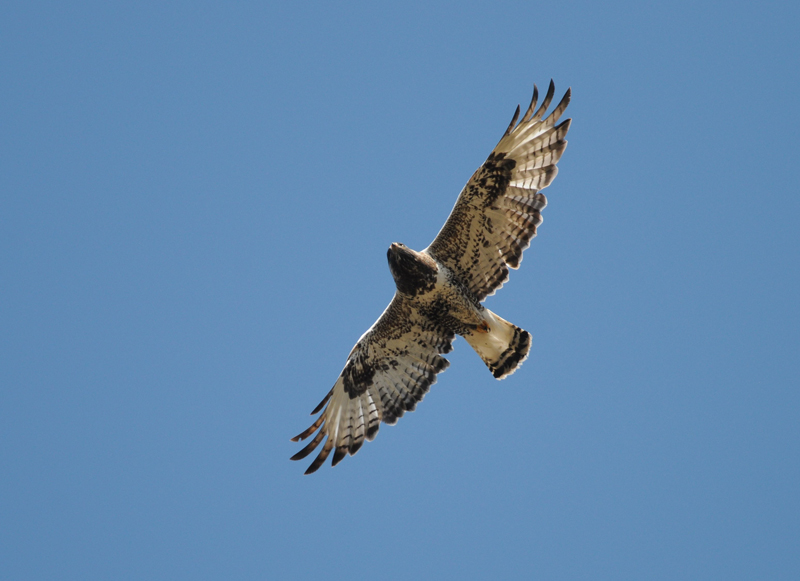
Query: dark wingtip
{"type": "Point", "coordinates": [302, 453]}
{"type": "Point", "coordinates": [545, 102]}
{"type": "Point", "coordinates": [340, 453]}
{"type": "Point", "coordinates": [565, 99]}
{"type": "Point", "coordinates": [310, 430]}
{"type": "Point", "coordinates": [551, 90]}
{"type": "Point", "coordinates": [372, 431]}
{"type": "Point", "coordinates": [513, 121]}
{"type": "Point", "coordinates": [299, 456]}
{"type": "Point", "coordinates": [322, 403]}
{"type": "Point", "coordinates": [320, 460]}
{"type": "Point", "coordinates": [310, 447]}
{"type": "Point", "coordinates": [532, 105]}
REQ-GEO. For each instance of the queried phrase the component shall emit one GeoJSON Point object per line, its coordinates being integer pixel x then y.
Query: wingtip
{"type": "Point", "coordinates": [532, 104]}
{"type": "Point", "coordinates": [566, 98]}
{"type": "Point", "coordinates": [320, 459]}
{"type": "Point", "coordinates": [513, 121]}
{"type": "Point", "coordinates": [545, 102]}
{"type": "Point", "coordinates": [338, 454]}
{"type": "Point", "coordinates": [308, 431]}
{"type": "Point", "coordinates": [310, 447]}
{"type": "Point", "coordinates": [322, 403]}
{"type": "Point", "coordinates": [551, 89]}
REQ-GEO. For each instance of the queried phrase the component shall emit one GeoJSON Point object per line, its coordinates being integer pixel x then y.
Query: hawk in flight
{"type": "Point", "coordinates": [440, 290]}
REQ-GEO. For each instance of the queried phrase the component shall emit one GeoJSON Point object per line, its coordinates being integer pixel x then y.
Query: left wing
{"type": "Point", "coordinates": [498, 211]}
{"type": "Point", "coordinates": [388, 372]}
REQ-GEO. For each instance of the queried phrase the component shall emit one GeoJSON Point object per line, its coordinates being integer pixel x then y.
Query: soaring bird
{"type": "Point", "coordinates": [440, 290]}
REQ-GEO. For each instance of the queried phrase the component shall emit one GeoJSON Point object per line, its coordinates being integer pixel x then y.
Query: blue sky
{"type": "Point", "coordinates": [195, 205]}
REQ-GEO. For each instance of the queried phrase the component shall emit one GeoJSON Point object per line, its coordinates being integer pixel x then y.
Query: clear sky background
{"type": "Point", "coordinates": [196, 202]}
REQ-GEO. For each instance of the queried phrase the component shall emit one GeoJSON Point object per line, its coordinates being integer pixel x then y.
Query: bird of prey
{"type": "Point", "coordinates": [440, 290]}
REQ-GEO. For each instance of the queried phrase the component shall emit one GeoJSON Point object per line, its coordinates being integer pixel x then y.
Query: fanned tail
{"type": "Point", "coordinates": [502, 345]}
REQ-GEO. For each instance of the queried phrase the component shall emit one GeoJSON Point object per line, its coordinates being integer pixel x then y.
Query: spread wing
{"type": "Point", "coordinates": [498, 211]}
{"type": "Point", "coordinates": [390, 369]}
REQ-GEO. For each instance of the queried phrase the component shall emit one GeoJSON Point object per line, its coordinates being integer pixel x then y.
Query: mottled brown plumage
{"type": "Point", "coordinates": [440, 289]}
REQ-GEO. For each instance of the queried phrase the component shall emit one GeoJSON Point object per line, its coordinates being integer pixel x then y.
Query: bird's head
{"type": "Point", "coordinates": [413, 272]}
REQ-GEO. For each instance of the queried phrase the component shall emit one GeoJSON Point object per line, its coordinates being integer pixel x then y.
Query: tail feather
{"type": "Point", "coordinates": [502, 345]}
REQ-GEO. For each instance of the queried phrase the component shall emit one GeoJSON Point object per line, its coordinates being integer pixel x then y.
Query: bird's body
{"type": "Point", "coordinates": [441, 297]}
{"type": "Point", "coordinates": [440, 290]}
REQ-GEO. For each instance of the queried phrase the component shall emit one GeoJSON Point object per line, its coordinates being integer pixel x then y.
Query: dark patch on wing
{"type": "Point", "coordinates": [357, 374]}
{"type": "Point", "coordinates": [494, 176]}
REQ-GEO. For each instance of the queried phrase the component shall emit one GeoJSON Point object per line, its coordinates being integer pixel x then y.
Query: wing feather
{"type": "Point", "coordinates": [388, 372]}
{"type": "Point", "coordinates": [499, 210]}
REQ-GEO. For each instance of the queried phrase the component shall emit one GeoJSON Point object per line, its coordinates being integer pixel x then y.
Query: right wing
{"type": "Point", "coordinates": [390, 369]}
{"type": "Point", "coordinates": [498, 211]}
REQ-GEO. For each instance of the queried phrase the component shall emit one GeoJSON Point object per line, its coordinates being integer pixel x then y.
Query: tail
{"type": "Point", "coordinates": [502, 346]}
